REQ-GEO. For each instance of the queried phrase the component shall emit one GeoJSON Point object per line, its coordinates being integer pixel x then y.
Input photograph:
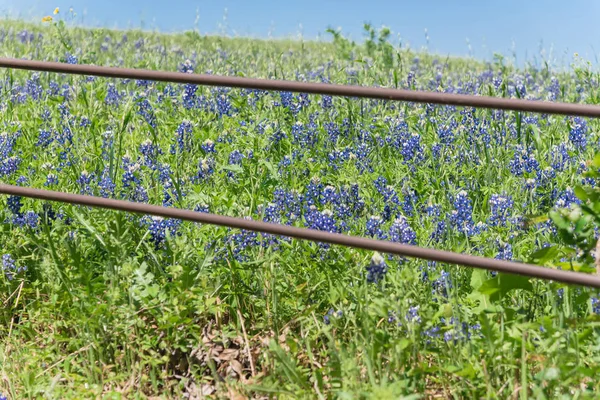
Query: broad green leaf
{"type": "Point", "coordinates": [596, 161]}
{"type": "Point", "coordinates": [502, 284]}
{"type": "Point", "coordinates": [581, 193]}
{"type": "Point", "coordinates": [544, 255]}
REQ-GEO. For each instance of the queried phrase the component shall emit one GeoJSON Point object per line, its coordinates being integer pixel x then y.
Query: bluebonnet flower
{"type": "Point", "coordinates": [285, 162]}
{"type": "Point", "coordinates": [360, 155]}
{"type": "Point", "coordinates": [559, 157]}
{"type": "Point", "coordinates": [286, 99]}
{"type": "Point", "coordinates": [433, 210]}
{"type": "Point", "coordinates": [553, 89]}
{"type": "Point", "coordinates": [272, 213]}
{"type": "Point", "coordinates": [333, 132]}
{"type": "Point", "coordinates": [150, 152]}
{"type": "Point", "coordinates": [202, 208]}
{"type": "Point", "coordinates": [159, 228]}
{"type": "Point", "coordinates": [442, 284]}
{"type": "Point", "coordinates": [322, 221]}
{"type": "Point", "coordinates": [142, 83]}
{"type": "Point", "coordinates": [410, 79]}
{"type": "Point", "coordinates": [412, 151]}
{"type": "Point", "coordinates": [208, 146]}
{"type": "Point", "coordinates": [9, 166]}
{"type": "Point", "coordinates": [70, 59]}
{"type": "Point", "coordinates": [401, 232]}
{"type": "Point", "coordinates": [113, 97]}
{"type": "Point", "coordinates": [243, 240]}
{"type": "Point", "coordinates": [84, 181]}
{"type": "Point", "coordinates": [409, 201]}
{"type": "Point", "coordinates": [560, 293]}
{"type": "Point", "coordinates": [66, 92]}
{"type": "Point", "coordinates": [33, 87]}
{"type": "Point", "coordinates": [330, 196]}
{"type": "Point", "coordinates": [497, 82]}
{"type": "Point", "coordinates": [129, 173]}
{"type": "Point", "coordinates": [566, 198]}
{"type": "Point", "coordinates": [289, 203]}
{"type": "Point", "coordinates": [302, 101]}
{"type": "Point", "coordinates": [412, 316]}
{"type": "Point", "coordinates": [10, 268]}
{"type": "Point", "coordinates": [85, 122]}
{"type": "Point", "coordinates": [146, 111]}
{"type": "Point", "coordinates": [392, 317]}
{"type": "Point", "coordinates": [578, 133]}
{"type": "Point", "coordinates": [377, 269]}
{"type": "Point", "coordinates": [305, 136]}
{"type": "Point", "coordinates": [546, 176]}
{"type": "Point", "coordinates": [169, 92]}
{"type": "Point", "coordinates": [30, 219]}
{"type": "Point", "coordinates": [190, 100]}
{"type": "Point", "coordinates": [374, 227]}
{"type": "Point", "coordinates": [432, 333]}
{"type": "Point", "coordinates": [332, 313]}
{"type": "Point", "coordinates": [350, 202]}
{"type": "Point", "coordinates": [446, 134]}
{"type": "Point", "coordinates": [46, 115]}
{"type": "Point", "coordinates": [530, 184]}
{"type": "Point", "coordinates": [462, 215]}
{"type": "Point", "coordinates": [51, 180]}
{"type": "Point", "coordinates": [277, 136]}
{"type": "Point", "coordinates": [505, 252]}
{"type": "Point", "coordinates": [224, 106]}
{"type": "Point", "coordinates": [48, 213]}
{"type": "Point", "coordinates": [139, 194]}
{"type": "Point", "coordinates": [326, 101]}
{"type": "Point", "coordinates": [595, 305]}
{"type": "Point", "coordinates": [26, 36]}
{"type": "Point", "coordinates": [106, 184]}
{"type": "Point", "coordinates": [438, 232]}
{"type": "Point", "coordinates": [65, 113]}
{"type": "Point", "coordinates": [523, 161]}
{"type": "Point", "coordinates": [390, 197]}
{"type": "Point", "coordinates": [65, 137]}
{"type": "Point", "coordinates": [436, 150]}
{"type": "Point", "coordinates": [500, 208]}
{"type": "Point", "coordinates": [107, 144]}
{"type": "Point", "coordinates": [206, 167]}
{"type": "Point", "coordinates": [459, 331]}
{"type": "Point", "coordinates": [14, 204]}
{"type": "Point", "coordinates": [313, 191]}
{"type": "Point", "coordinates": [187, 67]}
{"type": "Point", "coordinates": [235, 157]}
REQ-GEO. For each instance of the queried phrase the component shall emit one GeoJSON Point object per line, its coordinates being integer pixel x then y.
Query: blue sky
{"type": "Point", "coordinates": [463, 27]}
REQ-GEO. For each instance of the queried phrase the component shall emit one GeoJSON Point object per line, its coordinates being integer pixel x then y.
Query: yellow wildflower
{"type": "Point", "coordinates": [56, 10]}
{"type": "Point", "coordinates": [47, 18]}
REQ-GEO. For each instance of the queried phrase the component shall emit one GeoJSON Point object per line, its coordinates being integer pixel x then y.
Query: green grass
{"type": "Point", "coordinates": [103, 311]}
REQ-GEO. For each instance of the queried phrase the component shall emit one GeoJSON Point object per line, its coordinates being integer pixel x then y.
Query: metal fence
{"type": "Point", "coordinates": [303, 233]}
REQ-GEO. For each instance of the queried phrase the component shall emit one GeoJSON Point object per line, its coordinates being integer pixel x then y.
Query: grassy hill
{"type": "Point", "coordinates": [98, 303]}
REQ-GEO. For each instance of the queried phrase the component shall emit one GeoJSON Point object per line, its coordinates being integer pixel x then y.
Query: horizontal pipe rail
{"type": "Point", "coordinates": [382, 246]}
{"type": "Point", "coordinates": [584, 110]}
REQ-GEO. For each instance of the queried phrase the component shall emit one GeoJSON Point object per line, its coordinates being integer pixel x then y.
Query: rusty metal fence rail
{"type": "Point", "coordinates": [583, 110]}
{"type": "Point", "coordinates": [383, 246]}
